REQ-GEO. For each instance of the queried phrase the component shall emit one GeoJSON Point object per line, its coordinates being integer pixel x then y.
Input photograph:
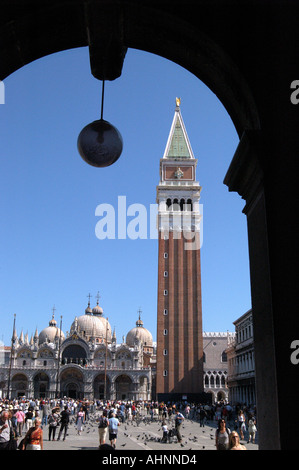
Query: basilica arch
{"type": "Point", "coordinates": [102, 387]}
{"type": "Point", "coordinates": [19, 385]}
{"type": "Point", "coordinates": [123, 357]}
{"type": "Point", "coordinates": [100, 357]}
{"type": "Point", "coordinates": [41, 385]}
{"type": "Point", "coordinates": [25, 353]}
{"type": "Point", "coordinates": [45, 353]}
{"type": "Point", "coordinates": [75, 354]}
{"type": "Point", "coordinates": [123, 387]}
{"type": "Point", "coordinates": [72, 382]}
{"type": "Point", "coordinates": [250, 69]}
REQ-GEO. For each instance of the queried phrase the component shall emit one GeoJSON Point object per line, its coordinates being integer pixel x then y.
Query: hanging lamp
{"type": "Point", "coordinates": [99, 143]}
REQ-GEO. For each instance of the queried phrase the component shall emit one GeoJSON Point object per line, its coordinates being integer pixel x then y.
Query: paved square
{"type": "Point", "coordinates": [141, 435]}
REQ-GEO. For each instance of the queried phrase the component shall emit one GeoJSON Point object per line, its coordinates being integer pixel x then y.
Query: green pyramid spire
{"type": "Point", "coordinates": [178, 145]}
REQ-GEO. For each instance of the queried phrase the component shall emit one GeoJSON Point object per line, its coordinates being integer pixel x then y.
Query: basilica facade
{"type": "Point", "coordinates": [85, 363]}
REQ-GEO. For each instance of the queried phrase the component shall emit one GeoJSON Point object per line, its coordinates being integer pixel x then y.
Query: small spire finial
{"type": "Point", "coordinates": [139, 311]}
{"type": "Point", "coordinates": [98, 297]}
{"type": "Point", "coordinates": [139, 321]}
{"type": "Point", "coordinates": [178, 102]}
{"type": "Point", "coordinates": [89, 296]}
{"type": "Point", "coordinates": [53, 311]}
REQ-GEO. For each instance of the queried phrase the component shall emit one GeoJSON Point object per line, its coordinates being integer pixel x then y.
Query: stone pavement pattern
{"type": "Point", "coordinates": [143, 435]}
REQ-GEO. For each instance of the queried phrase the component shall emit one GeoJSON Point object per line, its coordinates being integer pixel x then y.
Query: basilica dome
{"type": "Point", "coordinates": [97, 310]}
{"type": "Point", "coordinates": [48, 334]}
{"type": "Point", "coordinates": [139, 333]}
{"type": "Point", "coordinates": [92, 326]}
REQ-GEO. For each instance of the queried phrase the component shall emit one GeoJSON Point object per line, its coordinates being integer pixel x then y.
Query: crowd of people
{"type": "Point", "coordinates": [25, 419]}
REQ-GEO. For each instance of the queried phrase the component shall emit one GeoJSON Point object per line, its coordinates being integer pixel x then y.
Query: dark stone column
{"type": "Point", "coordinates": [245, 176]}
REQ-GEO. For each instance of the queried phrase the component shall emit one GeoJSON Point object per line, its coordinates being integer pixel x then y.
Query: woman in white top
{"type": "Point", "coordinates": [241, 423]}
{"type": "Point", "coordinates": [80, 421]}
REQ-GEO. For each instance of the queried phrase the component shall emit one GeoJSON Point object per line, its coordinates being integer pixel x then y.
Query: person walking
{"type": "Point", "coordinates": [53, 423]}
{"type": "Point", "coordinates": [20, 416]}
{"type": "Point", "coordinates": [179, 418]}
{"type": "Point", "coordinates": [202, 417]}
{"type": "Point", "coordinates": [103, 427]}
{"type": "Point", "coordinates": [251, 429]}
{"type": "Point", "coordinates": [222, 436]}
{"type": "Point", "coordinates": [164, 412]}
{"type": "Point", "coordinates": [165, 431]}
{"type": "Point", "coordinates": [64, 422]}
{"type": "Point", "coordinates": [241, 423]}
{"type": "Point", "coordinates": [29, 418]}
{"type": "Point", "coordinates": [45, 408]}
{"type": "Point", "coordinates": [113, 429]}
{"type": "Point", "coordinates": [80, 420]}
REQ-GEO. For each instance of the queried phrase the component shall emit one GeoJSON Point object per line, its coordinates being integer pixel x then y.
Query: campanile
{"type": "Point", "coordinates": [179, 310]}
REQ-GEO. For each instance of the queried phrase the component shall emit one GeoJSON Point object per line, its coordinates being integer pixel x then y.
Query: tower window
{"type": "Point", "coordinates": [176, 206]}
{"type": "Point", "coordinates": [189, 205]}
{"type": "Point", "coordinates": [165, 311]}
{"type": "Point", "coordinates": [164, 373]}
{"type": "Point", "coordinates": [165, 255]}
{"type": "Point", "coordinates": [165, 352]}
{"type": "Point", "coordinates": [165, 273]}
{"type": "Point", "coordinates": [224, 357]}
{"type": "Point", "coordinates": [165, 332]}
{"type": "Point", "coordinates": [165, 292]}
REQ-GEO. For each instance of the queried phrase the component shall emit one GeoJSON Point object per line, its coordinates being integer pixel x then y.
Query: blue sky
{"type": "Point", "coordinates": [49, 253]}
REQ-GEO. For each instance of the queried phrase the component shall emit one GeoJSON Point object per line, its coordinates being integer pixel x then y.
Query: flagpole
{"type": "Point", "coordinates": [10, 363]}
{"type": "Point", "coordinates": [58, 364]}
{"type": "Point", "coordinates": [105, 380]}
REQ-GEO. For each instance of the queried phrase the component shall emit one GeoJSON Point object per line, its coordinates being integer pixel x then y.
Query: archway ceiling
{"type": "Point", "coordinates": [233, 46]}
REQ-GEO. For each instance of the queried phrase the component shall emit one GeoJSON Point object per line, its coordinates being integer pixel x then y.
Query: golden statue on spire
{"type": "Point", "coordinates": [178, 102]}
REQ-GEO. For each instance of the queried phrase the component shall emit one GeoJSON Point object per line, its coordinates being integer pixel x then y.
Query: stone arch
{"type": "Point", "coordinates": [41, 385]}
{"type": "Point", "coordinates": [24, 352]}
{"type": "Point", "coordinates": [75, 353]}
{"type": "Point", "coordinates": [101, 389]}
{"type": "Point", "coordinates": [192, 40]}
{"type": "Point", "coordinates": [45, 353]}
{"type": "Point", "coordinates": [72, 382]}
{"type": "Point", "coordinates": [123, 387]}
{"type": "Point", "coordinates": [19, 385]}
{"type": "Point", "coordinates": [114, 28]}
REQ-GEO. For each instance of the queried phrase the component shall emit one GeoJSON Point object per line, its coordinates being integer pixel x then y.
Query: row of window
{"type": "Point", "coordinates": [244, 334]}
{"type": "Point", "coordinates": [179, 205]}
{"type": "Point", "coordinates": [209, 380]}
{"type": "Point", "coordinates": [223, 355]}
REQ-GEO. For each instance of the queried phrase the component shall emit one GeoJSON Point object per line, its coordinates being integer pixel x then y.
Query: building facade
{"type": "Point", "coordinates": [241, 362]}
{"type": "Point", "coordinates": [179, 306]}
{"type": "Point", "coordinates": [86, 363]}
{"type": "Point", "coordinates": [216, 364]}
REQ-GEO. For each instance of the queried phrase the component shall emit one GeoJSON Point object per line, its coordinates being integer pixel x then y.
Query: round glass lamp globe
{"type": "Point", "coordinates": [100, 144]}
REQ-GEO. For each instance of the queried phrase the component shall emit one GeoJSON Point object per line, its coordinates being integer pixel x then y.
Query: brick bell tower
{"type": "Point", "coordinates": [179, 316]}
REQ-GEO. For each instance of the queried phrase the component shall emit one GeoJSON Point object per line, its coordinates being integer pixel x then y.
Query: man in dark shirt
{"type": "Point", "coordinates": [64, 422]}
